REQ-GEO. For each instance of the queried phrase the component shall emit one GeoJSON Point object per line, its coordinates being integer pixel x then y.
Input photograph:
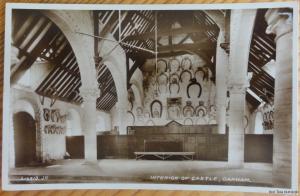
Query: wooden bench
{"type": "Point", "coordinates": [165, 155]}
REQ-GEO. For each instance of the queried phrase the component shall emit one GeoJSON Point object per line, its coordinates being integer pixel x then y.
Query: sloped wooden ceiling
{"type": "Point", "coordinates": [38, 38]}
{"type": "Point", "coordinates": [262, 51]}
{"type": "Point", "coordinates": [136, 33]}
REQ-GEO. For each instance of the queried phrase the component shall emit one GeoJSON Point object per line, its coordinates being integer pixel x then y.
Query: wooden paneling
{"type": "Point", "coordinates": [171, 138]}
{"type": "Point", "coordinates": [115, 146]}
{"type": "Point", "coordinates": [258, 148]}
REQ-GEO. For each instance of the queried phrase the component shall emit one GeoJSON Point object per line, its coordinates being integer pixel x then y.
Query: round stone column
{"type": "Point", "coordinates": [236, 135]}
{"type": "Point", "coordinates": [222, 62]}
{"type": "Point", "coordinates": [241, 28]}
{"type": "Point", "coordinates": [121, 109]}
{"type": "Point", "coordinates": [280, 23]}
{"type": "Point", "coordinates": [90, 96]}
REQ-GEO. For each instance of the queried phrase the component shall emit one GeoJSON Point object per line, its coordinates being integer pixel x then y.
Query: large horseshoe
{"type": "Point", "coordinates": [194, 82]}
{"type": "Point", "coordinates": [151, 107]}
{"type": "Point", "coordinates": [185, 71]}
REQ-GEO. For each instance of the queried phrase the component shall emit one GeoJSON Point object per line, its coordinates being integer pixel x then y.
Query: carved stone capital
{"type": "Point", "coordinates": [279, 22]}
{"type": "Point", "coordinates": [89, 94]}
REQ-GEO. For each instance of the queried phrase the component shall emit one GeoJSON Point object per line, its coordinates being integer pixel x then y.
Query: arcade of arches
{"type": "Point", "coordinates": [97, 85]}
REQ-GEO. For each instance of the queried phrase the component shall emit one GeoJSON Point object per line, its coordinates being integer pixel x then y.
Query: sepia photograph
{"type": "Point", "coordinates": [197, 97]}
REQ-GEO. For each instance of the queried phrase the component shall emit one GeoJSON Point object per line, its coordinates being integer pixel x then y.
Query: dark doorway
{"type": "Point", "coordinates": [25, 139]}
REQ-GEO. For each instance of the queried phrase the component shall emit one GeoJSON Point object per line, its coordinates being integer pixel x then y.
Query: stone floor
{"type": "Point", "coordinates": [140, 171]}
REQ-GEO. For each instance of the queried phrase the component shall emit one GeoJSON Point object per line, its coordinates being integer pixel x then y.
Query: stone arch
{"type": "Point", "coordinates": [119, 78]}
{"type": "Point", "coordinates": [137, 95]}
{"type": "Point", "coordinates": [71, 22]}
{"type": "Point", "coordinates": [31, 106]}
{"type": "Point", "coordinates": [114, 58]}
{"type": "Point", "coordinates": [137, 80]}
{"type": "Point", "coordinates": [73, 123]}
{"type": "Point", "coordinates": [24, 106]}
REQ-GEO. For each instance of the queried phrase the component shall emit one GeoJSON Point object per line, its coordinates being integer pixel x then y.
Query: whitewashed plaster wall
{"type": "Point", "coordinates": [103, 121]}
{"type": "Point", "coordinates": [49, 145]}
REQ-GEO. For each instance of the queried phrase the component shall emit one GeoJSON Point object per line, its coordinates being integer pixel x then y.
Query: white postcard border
{"type": "Point", "coordinates": [6, 97]}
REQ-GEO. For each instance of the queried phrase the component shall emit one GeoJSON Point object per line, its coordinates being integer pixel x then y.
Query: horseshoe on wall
{"type": "Point", "coordinates": [178, 87]}
{"type": "Point", "coordinates": [170, 64]}
{"type": "Point", "coordinates": [171, 78]}
{"type": "Point", "coordinates": [165, 62]}
{"type": "Point", "coordinates": [167, 80]}
{"type": "Point", "coordinates": [185, 71]}
{"type": "Point", "coordinates": [160, 75]}
{"type": "Point", "coordinates": [205, 73]}
{"type": "Point", "coordinates": [193, 82]}
{"type": "Point", "coordinates": [151, 107]}
{"type": "Point", "coordinates": [46, 114]}
{"type": "Point", "coordinates": [188, 106]}
{"type": "Point", "coordinates": [186, 59]}
{"type": "Point", "coordinates": [54, 115]}
{"type": "Point", "coordinates": [201, 109]}
{"type": "Point", "coordinates": [132, 116]}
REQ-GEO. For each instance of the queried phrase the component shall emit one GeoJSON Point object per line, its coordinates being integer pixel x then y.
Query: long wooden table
{"type": "Point", "coordinates": [165, 155]}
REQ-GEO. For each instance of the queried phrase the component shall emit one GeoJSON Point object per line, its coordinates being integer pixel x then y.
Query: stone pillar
{"type": "Point", "coordinates": [241, 28]}
{"type": "Point", "coordinates": [121, 109]}
{"type": "Point", "coordinates": [280, 24]}
{"type": "Point", "coordinates": [89, 116]}
{"type": "Point", "coordinates": [236, 125]}
{"type": "Point", "coordinates": [222, 62]}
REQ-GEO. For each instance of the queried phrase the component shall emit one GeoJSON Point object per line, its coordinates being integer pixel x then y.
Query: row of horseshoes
{"type": "Point", "coordinates": [195, 111]}
{"type": "Point", "coordinates": [268, 120]}
{"type": "Point", "coordinates": [180, 66]}
{"type": "Point", "coordinates": [193, 82]}
{"type": "Point", "coordinates": [182, 69]}
{"type": "Point", "coordinates": [173, 79]}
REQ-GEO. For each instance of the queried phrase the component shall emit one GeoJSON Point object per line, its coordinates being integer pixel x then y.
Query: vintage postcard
{"type": "Point", "coordinates": [180, 97]}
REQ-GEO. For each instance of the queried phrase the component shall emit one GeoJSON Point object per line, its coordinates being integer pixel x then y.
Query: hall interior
{"type": "Point", "coordinates": [162, 92]}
